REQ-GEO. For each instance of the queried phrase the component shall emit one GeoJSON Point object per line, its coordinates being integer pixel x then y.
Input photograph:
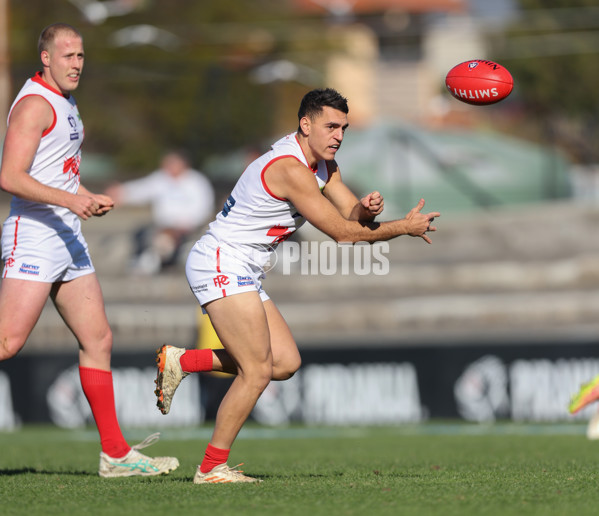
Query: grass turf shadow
{"type": "Point", "coordinates": [26, 471]}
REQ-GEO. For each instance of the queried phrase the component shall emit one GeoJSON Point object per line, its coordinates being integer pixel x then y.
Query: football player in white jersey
{"type": "Point", "coordinates": [297, 180]}
{"type": "Point", "coordinates": [44, 252]}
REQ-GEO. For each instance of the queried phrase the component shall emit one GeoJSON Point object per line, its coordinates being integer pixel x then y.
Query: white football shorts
{"type": "Point", "coordinates": [34, 251]}
{"type": "Point", "coordinates": [215, 270]}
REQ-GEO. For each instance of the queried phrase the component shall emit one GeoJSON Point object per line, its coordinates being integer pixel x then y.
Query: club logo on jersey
{"type": "Point", "coordinates": [73, 123]}
{"type": "Point", "coordinates": [10, 262]}
{"type": "Point", "coordinates": [71, 166]}
{"type": "Point", "coordinates": [281, 233]}
{"type": "Point", "coordinates": [221, 280]}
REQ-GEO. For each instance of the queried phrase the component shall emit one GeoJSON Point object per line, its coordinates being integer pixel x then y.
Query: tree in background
{"type": "Point", "coordinates": [176, 73]}
{"type": "Point", "coordinates": [552, 50]}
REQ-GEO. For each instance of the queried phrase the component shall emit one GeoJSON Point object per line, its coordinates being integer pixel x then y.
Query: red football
{"type": "Point", "coordinates": [479, 82]}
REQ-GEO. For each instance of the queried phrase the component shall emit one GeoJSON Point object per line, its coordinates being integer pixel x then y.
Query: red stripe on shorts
{"type": "Point", "coordinates": [218, 259]}
{"type": "Point", "coordinates": [12, 253]}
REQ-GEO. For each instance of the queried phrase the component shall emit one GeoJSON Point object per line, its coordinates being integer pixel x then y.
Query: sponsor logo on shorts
{"type": "Point", "coordinates": [29, 269]}
{"type": "Point", "coordinates": [243, 281]}
{"type": "Point", "coordinates": [221, 280]}
{"type": "Point", "coordinates": [200, 288]}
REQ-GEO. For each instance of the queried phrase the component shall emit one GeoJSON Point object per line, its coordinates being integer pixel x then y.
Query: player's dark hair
{"type": "Point", "coordinates": [313, 102]}
{"type": "Point", "coordinates": [51, 31]}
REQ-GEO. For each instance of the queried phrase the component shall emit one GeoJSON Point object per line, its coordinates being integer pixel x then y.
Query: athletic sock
{"type": "Point", "coordinates": [99, 391]}
{"type": "Point", "coordinates": [213, 457]}
{"type": "Point", "coordinates": [196, 360]}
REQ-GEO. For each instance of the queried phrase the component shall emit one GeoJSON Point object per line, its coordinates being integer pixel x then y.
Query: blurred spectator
{"type": "Point", "coordinates": [182, 201]}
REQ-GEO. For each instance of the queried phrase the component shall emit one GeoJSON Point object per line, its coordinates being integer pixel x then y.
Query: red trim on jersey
{"type": "Point", "coordinates": [52, 125]}
{"type": "Point", "coordinates": [312, 169]}
{"type": "Point", "coordinates": [264, 185]}
{"type": "Point", "coordinates": [40, 80]}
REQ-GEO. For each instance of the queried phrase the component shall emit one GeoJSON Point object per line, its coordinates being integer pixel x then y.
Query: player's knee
{"type": "Point", "coordinates": [287, 369]}
{"type": "Point", "coordinates": [9, 347]}
{"type": "Point", "coordinates": [106, 342]}
{"type": "Point", "coordinates": [294, 365]}
{"type": "Point", "coordinates": [101, 345]}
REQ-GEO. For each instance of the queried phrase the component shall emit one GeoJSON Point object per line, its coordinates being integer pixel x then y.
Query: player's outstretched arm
{"type": "Point", "coordinates": [291, 180]}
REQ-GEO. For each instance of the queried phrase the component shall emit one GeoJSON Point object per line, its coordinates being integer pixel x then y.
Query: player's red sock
{"type": "Point", "coordinates": [213, 457]}
{"type": "Point", "coordinates": [99, 391]}
{"type": "Point", "coordinates": [196, 360]}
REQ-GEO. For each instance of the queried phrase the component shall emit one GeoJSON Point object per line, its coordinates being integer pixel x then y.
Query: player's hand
{"type": "Point", "coordinates": [419, 224]}
{"type": "Point", "coordinates": [105, 204]}
{"type": "Point", "coordinates": [87, 205]}
{"type": "Point", "coordinates": [373, 203]}
{"type": "Point", "coordinates": [83, 206]}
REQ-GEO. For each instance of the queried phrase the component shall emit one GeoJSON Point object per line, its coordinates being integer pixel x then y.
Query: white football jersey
{"type": "Point", "coordinates": [252, 214]}
{"type": "Point", "coordinates": [56, 162]}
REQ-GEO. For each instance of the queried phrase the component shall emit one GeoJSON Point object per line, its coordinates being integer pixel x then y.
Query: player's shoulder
{"type": "Point", "coordinates": [33, 101]}
{"type": "Point", "coordinates": [287, 141]}
{"type": "Point", "coordinates": [32, 106]}
{"type": "Point", "coordinates": [289, 164]}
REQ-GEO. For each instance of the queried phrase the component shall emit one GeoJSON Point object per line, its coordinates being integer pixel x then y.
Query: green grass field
{"type": "Point", "coordinates": [417, 470]}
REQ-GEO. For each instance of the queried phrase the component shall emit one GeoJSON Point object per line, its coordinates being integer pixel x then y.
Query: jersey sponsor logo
{"type": "Point", "coordinates": [199, 288]}
{"type": "Point", "coordinates": [221, 280]}
{"type": "Point", "coordinates": [229, 203]}
{"type": "Point", "coordinates": [27, 268]}
{"type": "Point", "coordinates": [243, 281]}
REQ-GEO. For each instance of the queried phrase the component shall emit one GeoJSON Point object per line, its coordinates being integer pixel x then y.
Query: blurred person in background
{"type": "Point", "coordinates": [44, 252]}
{"type": "Point", "coordinates": [181, 200]}
{"type": "Point", "coordinates": [297, 180]}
